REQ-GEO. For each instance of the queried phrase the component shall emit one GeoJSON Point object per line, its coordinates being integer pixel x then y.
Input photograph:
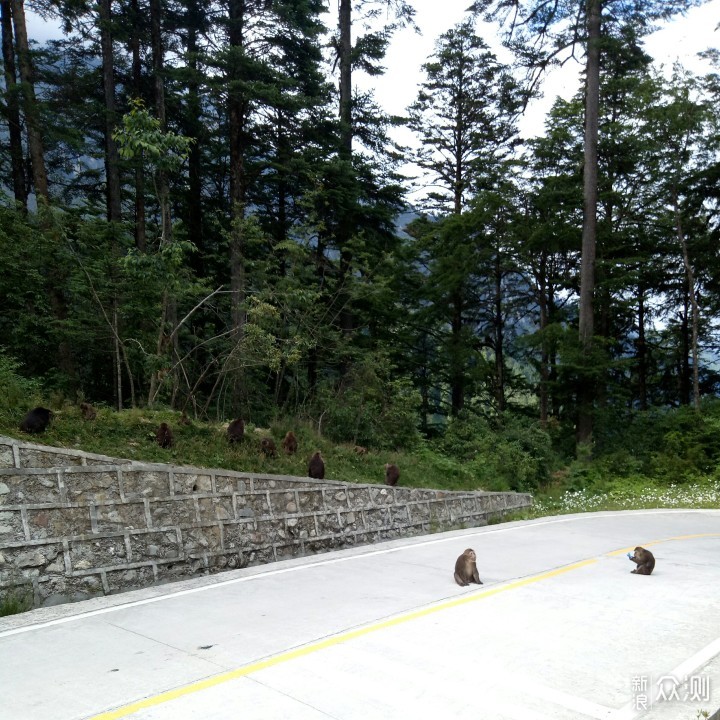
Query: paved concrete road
{"type": "Point", "coordinates": [561, 629]}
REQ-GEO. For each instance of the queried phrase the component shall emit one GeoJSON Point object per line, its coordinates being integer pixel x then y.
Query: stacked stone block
{"type": "Point", "coordinates": [74, 525]}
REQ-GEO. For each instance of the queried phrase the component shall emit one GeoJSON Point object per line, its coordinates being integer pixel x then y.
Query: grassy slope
{"type": "Point", "coordinates": [131, 434]}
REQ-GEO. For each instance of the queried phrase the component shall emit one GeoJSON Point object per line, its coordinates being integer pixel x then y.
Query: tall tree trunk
{"type": "Point", "coordinates": [112, 157]}
{"type": "Point", "coordinates": [685, 345]}
{"type": "Point", "coordinates": [346, 132]}
{"type": "Point", "coordinates": [237, 108]}
{"type": "Point", "coordinates": [345, 223]}
{"type": "Point", "coordinates": [499, 338]}
{"type": "Point", "coordinates": [544, 354]}
{"type": "Point", "coordinates": [32, 119]}
{"type": "Point", "coordinates": [140, 222]}
{"type": "Point", "coordinates": [586, 390]}
{"type": "Point", "coordinates": [641, 351]}
{"type": "Point", "coordinates": [457, 369]}
{"type": "Point", "coordinates": [56, 281]}
{"type": "Point", "coordinates": [169, 305]}
{"type": "Point", "coordinates": [694, 310]}
{"type": "Point", "coordinates": [112, 173]}
{"type": "Point", "coordinates": [13, 107]}
{"type": "Point", "coordinates": [193, 128]}
{"type": "Point", "coordinates": [158, 56]}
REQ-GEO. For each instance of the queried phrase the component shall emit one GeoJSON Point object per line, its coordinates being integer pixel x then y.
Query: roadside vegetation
{"type": "Point", "coordinates": [659, 458]}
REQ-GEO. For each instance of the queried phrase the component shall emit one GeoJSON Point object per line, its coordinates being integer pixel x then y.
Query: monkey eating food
{"type": "Point", "coordinates": [644, 560]}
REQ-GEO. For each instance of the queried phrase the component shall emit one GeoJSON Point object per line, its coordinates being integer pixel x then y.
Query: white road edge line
{"type": "Point", "coordinates": [331, 561]}
{"type": "Point", "coordinates": [679, 676]}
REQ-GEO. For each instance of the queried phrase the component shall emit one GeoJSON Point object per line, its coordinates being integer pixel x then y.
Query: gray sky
{"type": "Point", "coordinates": [680, 40]}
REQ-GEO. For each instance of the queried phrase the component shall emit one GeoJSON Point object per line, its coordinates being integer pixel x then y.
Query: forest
{"type": "Point", "coordinates": [202, 213]}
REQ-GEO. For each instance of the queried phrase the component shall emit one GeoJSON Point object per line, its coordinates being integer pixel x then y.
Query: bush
{"type": "Point", "coordinates": [371, 407]}
{"type": "Point", "coordinates": [668, 445]}
{"type": "Point", "coordinates": [18, 393]}
{"type": "Point", "coordinates": [15, 600]}
{"type": "Point", "coordinates": [516, 454]}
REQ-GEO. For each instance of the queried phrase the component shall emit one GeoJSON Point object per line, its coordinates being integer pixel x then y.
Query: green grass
{"type": "Point", "coordinates": [131, 434]}
{"type": "Point", "coordinates": [606, 484]}
{"type": "Point", "coordinates": [14, 601]}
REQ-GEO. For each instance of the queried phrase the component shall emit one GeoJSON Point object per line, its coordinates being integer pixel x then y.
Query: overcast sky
{"type": "Point", "coordinates": [681, 40]}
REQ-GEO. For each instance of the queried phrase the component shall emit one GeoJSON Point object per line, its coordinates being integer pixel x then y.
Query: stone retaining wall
{"type": "Point", "coordinates": [74, 525]}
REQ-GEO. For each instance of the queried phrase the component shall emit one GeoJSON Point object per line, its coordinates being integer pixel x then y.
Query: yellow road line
{"type": "Point", "coordinates": [221, 678]}
{"type": "Point", "coordinates": [622, 551]}
{"type": "Point", "coordinates": [194, 687]}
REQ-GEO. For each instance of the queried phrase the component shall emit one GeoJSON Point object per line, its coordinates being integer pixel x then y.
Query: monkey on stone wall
{"type": "Point", "coordinates": [316, 467]}
{"type": "Point", "coordinates": [466, 571]}
{"type": "Point", "coordinates": [164, 436]}
{"type": "Point", "coordinates": [392, 474]}
{"type": "Point", "coordinates": [644, 560]}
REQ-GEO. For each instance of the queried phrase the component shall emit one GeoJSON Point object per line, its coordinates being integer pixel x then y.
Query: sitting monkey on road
{"type": "Point", "coordinates": [644, 560]}
{"type": "Point", "coordinates": [466, 571]}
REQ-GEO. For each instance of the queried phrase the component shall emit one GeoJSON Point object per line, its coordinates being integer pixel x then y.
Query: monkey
{"type": "Point", "coordinates": [392, 474]}
{"type": "Point", "coordinates": [360, 450]}
{"type": "Point", "coordinates": [644, 560]}
{"type": "Point", "coordinates": [164, 436]}
{"type": "Point", "coordinates": [267, 445]}
{"type": "Point", "coordinates": [290, 443]}
{"type": "Point", "coordinates": [466, 569]}
{"type": "Point", "coordinates": [36, 420]}
{"type": "Point", "coordinates": [236, 431]}
{"type": "Point", "coordinates": [88, 411]}
{"type": "Point", "coordinates": [316, 468]}
{"type": "Point", "coordinates": [184, 419]}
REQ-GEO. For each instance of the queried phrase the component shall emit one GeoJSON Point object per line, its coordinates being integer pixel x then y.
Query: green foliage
{"type": "Point", "coordinates": [371, 406]}
{"type": "Point", "coordinates": [142, 136]}
{"type": "Point", "coordinates": [15, 600]}
{"type": "Point", "coordinates": [18, 393]}
{"type": "Point", "coordinates": [509, 454]}
{"type": "Point", "coordinates": [669, 445]}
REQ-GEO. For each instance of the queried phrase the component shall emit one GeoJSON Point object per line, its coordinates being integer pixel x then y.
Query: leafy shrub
{"type": "Point", "coordinates": [371, 407]}
{"type": "Point", "coordinates": [15, 600]}
{"type": "Point", "coordinates": [18, 393]}
{"type": "Point", "coordinates": [514, 455]}
{"type": "Point", "coordinates": [668, 445]}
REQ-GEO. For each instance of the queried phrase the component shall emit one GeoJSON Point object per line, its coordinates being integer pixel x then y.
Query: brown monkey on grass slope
{"type": "Point", "coordinates": [466, 569]}
{"type": "Point", "coordinates": [236, 431]}
{"type": "Point", "coordinates": [316, 467]}
{"type": "Point", "coordinates": [36, 420]}
{"type": "Point", "coordinates": [290, 443]}
{"type": "Point", "coordinates": [392, 474]}
{"type": "Point", "coordinates": [267, 445]}
{"type": "Point", "coordinates": [88, 411]}
{"type": "Point", "coordinates": [164, 436]}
